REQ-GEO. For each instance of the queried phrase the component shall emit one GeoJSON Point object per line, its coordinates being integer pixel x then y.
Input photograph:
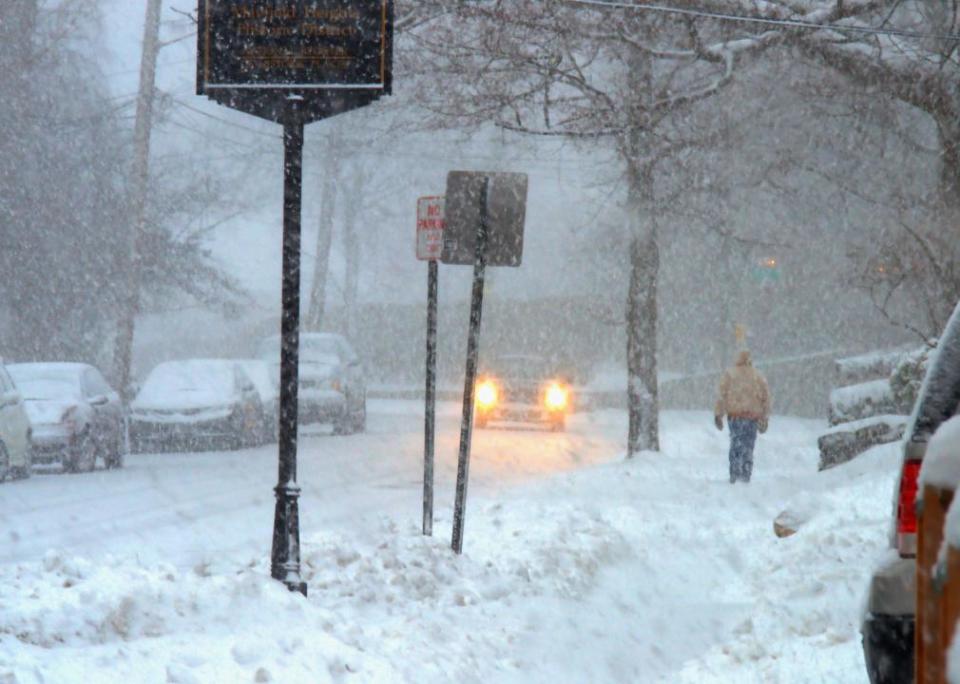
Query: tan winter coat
{"type": "Point", "coordinates": [743, 392]}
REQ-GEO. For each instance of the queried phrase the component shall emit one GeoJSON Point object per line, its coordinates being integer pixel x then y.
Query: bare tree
{"type": "Point", "coordinates": [633, 81]}
{"type": "Point", "coordinates": [65, 197]}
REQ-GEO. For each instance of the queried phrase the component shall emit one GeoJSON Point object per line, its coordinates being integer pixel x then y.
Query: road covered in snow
{"type": "Point", "coordinates": [577, 566]}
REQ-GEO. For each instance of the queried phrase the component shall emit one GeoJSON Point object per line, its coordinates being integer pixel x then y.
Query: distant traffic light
{"type": "Point", "coordinates": [767, 269]}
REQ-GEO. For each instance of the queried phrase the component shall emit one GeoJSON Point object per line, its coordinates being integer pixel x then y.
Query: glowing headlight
{"type": "Point", "coordinates": [556, 397]}
{"type": "Point", "coordinates": [486, 394]}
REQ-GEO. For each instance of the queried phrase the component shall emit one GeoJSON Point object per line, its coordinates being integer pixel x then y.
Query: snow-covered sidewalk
{"type": "Point", "coordinates": [653, 570]}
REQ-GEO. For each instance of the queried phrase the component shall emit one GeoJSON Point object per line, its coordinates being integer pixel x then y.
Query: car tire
{"type": "Point", "coordinates": [114, 458]}
{"type": "Point", "coordinates": [235, 439]}
{"type": "Point", "coordinates": [343, 425]}
{"type": "Point", "coordinates": [83, 458]}
{"type": "Point", "coordinates": [360, 418]}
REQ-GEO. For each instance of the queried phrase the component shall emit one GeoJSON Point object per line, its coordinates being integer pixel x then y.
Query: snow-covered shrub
{"type": "Point", "coordinates": [864, 400]}
{"type": "Point", "coordinates": [907, 376]}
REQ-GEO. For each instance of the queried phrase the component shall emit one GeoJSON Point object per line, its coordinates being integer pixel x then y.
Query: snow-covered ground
{"type": "Point", "coordinates": [577, 566]}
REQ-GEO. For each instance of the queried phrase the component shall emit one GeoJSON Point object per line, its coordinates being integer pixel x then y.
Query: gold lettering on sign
{"type": "Point", "coordinates": [320, 31]}
{"type": "Point", "coordinates": [250, 28]}
{"type": "Point", "coordinates": [278, 58]}
{"type": "Point", "coordinates": [270, 12]}
{"type": "Point", "coordinates": [332, 14]}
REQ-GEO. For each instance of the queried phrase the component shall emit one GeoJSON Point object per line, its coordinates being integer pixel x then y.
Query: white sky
{"type": "Point", "coordinates": [249, 247]}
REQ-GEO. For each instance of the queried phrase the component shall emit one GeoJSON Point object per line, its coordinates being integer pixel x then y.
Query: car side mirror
{"type": "Point", "coordinates": [99, 400]}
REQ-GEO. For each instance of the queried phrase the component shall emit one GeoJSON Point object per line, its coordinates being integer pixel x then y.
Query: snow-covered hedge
{"type": "Point", "coordinates": [861, 401]}
{"type": "Point", "coordinates": [907, 377]}
{"type": "Point", "coordinates": [845, 442]}
{"type": "Point", "coordinates": [854, 370]}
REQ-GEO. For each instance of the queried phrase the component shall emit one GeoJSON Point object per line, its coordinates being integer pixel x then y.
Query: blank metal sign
{"type": "Point", "coordinates": [506, 213]}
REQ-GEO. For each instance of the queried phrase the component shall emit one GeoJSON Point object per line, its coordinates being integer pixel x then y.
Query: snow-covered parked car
{"type": "Point", "coordinates": [332, 386]}
{"type": "Point", "coordinates": [196, 404]}
{"type": "Point", "coordinates": [259, 373]}
{"type": "Point", "coordinates": [890, 617]}
{"type": "Point", "coordinates": [75, 416]}
{"type": "Point", "coordinates": [15, 456]}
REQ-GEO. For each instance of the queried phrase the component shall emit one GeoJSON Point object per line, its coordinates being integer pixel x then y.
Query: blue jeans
{"type": "Point", "coordinates": [743, 435]}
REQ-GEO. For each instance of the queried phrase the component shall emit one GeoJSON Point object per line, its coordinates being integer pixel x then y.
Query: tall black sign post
{"type": "Point", "coordinates": [484, 221]}
{"type": "Point", "coordinates": [429, 248]}
{"type": "Point", "coordinates": [293, 63]}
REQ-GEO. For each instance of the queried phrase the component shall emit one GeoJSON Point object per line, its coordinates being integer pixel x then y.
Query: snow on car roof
{"type": "Point", "coordinates": [941, 463]}
{"type": "Point", "coordinates": [45, 381]}
{"type": "Point", "coordinates": [47, 368]}
{"type": "Point", "coordinates": [53, 373]}
{"type": "Point", "coordinates": [191, 373]}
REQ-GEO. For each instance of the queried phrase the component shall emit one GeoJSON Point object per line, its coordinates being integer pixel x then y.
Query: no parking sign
{"type": "Point", "coordinates": [430, 225]}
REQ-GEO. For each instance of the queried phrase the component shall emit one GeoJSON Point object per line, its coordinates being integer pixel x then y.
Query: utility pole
{"type": "Point", "coordinates": [321, 260]}
{"type": "Point", "coordinates": [123, 349]}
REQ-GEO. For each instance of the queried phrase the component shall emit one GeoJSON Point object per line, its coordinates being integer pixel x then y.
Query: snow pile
{"type": "Point", "coordinates": [396, 594]}
{"type": "Point", "coordinates": [67, 620]}
{"type": "Point", "coordinates": [805, 590]}
{"type": "Point", "coordinates": [652, 570]}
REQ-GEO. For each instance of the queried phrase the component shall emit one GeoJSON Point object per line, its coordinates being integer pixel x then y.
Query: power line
{"type": "Point", "coordinates": [248, 129]}
{"type": "Point", "coordinates": [791, 23]}
{"type": "Point", "coordinates": [549, 163]}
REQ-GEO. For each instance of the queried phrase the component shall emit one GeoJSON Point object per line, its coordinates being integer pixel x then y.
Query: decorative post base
{"type": "Point", "coordinates": [285, 560]}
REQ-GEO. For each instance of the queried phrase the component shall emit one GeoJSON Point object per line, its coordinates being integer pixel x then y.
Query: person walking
{"type": "Point", "coordinates": [745, 401]}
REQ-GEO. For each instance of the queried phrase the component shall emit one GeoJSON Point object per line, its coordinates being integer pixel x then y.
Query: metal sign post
{"type": "Point", "coordinates": [484, 215]}
{"type": "Point", "coordinates": [473, 352]}
{"type": "Point", "coordinates": [429, 245]}
{"type": "Point", "coordinates": [293, 64]}
{"type": "Point", "coordinates": [285, 551]}
{"type": "Point", "coordinates": [430, 398]}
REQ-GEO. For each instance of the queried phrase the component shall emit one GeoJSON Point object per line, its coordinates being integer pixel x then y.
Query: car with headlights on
{"type": "Point", "coordinates": [15, 453]}
{"type": "Point", "coordinates": [522, 388]}
{"type": "Point", "coordinates": [75, 415]}
{"type": "Point", "coordinates": [332, 387]}
{"type": "Point", "coordinates": [196, 404]}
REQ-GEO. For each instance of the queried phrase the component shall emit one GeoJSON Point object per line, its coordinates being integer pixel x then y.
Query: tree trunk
{"type": "Point", "coordinates": [123, 350]}
{"type": "Point", "coordinates": [948, 128]}
{"type": "Point", "coordinates": [643, 404]}
{"type": "Point", "coordinates": [642, 393]}
{"type": "Point", "coordinates": [321, 260]}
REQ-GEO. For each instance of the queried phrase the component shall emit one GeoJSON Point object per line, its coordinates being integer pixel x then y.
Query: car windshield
{"type": "Point", "coordinates": [46, 383]}
{"type": "Point", "coordinates": [184, 377]}
{"type": "Point", "coordinates": [316, 348]}
{"type": "Point", "coordinates": [520, 368]}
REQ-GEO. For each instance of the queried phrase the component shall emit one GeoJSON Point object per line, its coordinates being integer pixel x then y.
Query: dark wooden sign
{"type": "Point", "coordinates": [504, 214]}
{"type": "Point", "coordinates": [323, 56]}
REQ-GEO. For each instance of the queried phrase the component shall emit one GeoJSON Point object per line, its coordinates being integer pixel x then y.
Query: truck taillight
{"type": "Point", "coordinates": [907, 508]}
